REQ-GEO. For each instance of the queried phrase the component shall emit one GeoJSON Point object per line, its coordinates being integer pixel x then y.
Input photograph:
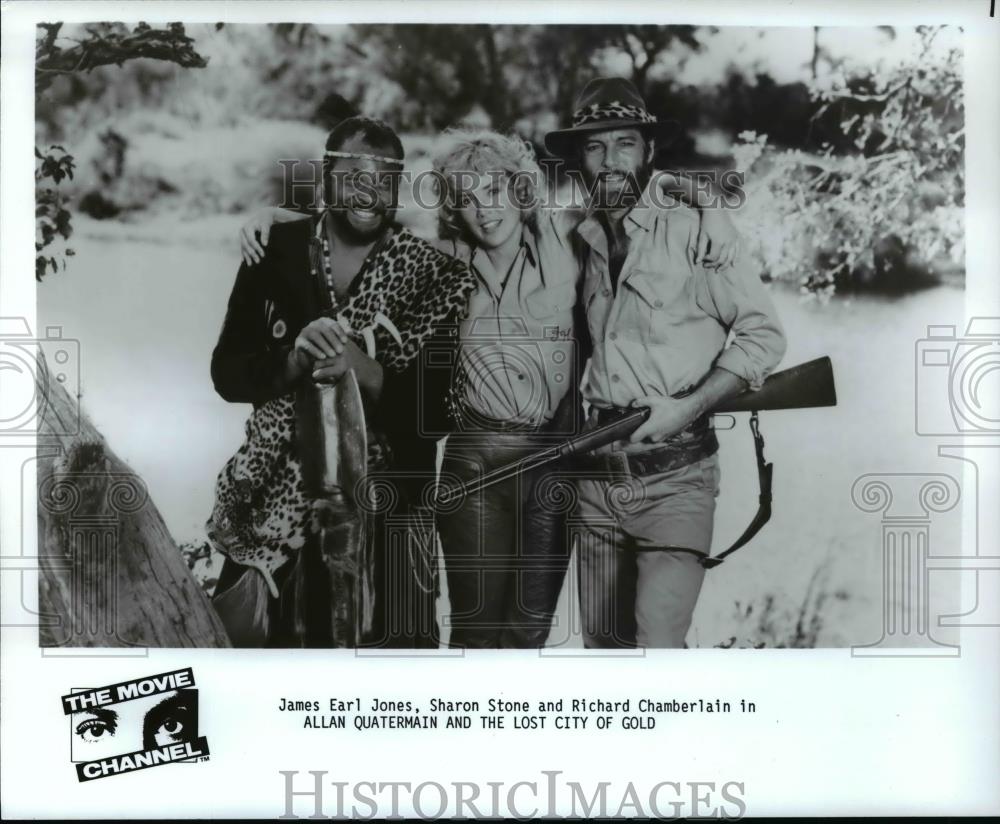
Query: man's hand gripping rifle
{"type": "Point", "coordinates": [808, 385]}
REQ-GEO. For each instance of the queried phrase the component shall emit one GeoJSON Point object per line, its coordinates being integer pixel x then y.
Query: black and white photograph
{"type": "Point", "coordinates": [414, 337]}
{"type": "Point", "coordinates": [506, 370]}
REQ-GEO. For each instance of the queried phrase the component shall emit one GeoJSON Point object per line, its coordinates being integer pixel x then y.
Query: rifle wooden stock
{"type": "Point", "coordinates": [805, 386]}
{"type": "Point", "coordinates": [800, 387]}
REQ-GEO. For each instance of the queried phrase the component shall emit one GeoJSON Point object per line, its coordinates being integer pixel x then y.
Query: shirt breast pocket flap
{"type": "Point", "coordinates": [548, 302]}
{"type": "Point", "coordinates": [659, 304]}
{"type": "Point", "coordinates": [660, 293]}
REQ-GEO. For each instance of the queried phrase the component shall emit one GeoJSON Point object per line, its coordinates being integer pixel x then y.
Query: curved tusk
{"type": "Point", "coordinates": [369, 336]}
{"type": "Point", "coordinates": [385, 323]}
{"type": "Point", "coordinates": [271, 585]}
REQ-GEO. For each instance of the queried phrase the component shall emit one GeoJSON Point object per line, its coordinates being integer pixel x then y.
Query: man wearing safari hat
{"type": "Point", "coordinates": [659, 325]}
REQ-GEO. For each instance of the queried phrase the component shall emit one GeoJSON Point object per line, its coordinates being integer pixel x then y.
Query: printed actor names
{"type": "Point", "coordinates": [499, 713]}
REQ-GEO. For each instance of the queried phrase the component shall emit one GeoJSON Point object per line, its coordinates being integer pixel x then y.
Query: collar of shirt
{"type": "Point", "coordinates": [494, 280]}
{"type": "Point", "coordinates": [640, 218]}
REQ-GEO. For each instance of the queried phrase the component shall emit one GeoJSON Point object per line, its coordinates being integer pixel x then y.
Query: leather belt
{"type": "Point", "coordinates": [618, 464]}
{"type": "Point", "coordinates": [469, 420]}
{"type": "Point", "coordinates": [697, 427]}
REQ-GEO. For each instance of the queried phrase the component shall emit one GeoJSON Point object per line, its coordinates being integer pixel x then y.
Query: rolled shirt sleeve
{"type": "Point", "coordinates": [669, 322]}
{"type": "Point", "coordinates": [738, 299]}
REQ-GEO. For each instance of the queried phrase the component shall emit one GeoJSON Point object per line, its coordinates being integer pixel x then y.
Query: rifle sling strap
{"type": "Point", "coordinates": [764, 473]}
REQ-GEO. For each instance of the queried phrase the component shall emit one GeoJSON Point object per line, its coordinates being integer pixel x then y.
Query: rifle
{"type": "Point", "coordinates": [806, 386]}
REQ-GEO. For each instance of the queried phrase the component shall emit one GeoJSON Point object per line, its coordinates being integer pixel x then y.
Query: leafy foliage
{"type": "Point", "coordinates": [854, 177]}
{"type": "Point", "coordinates": [890, 206]}
{"type": "Point", "coordinates": [52, 219]}
{"type": "Point", "coordinates": [109, 44]}
{"type": "Point", "coordinates": [774, 621]}
{"type": "Point", "coordinates": [442, 72]}
{"type": "Point", "coordinates": [104, 44]}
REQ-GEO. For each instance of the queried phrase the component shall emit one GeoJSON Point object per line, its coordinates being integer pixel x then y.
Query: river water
{"type": "Point", "coordinates": [146, 304]}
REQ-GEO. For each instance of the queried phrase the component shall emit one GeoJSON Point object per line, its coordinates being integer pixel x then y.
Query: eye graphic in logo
{"type": "Point", "coordinates": [100, 724]}
{"type": "Point", "coordinates": [140, 724]}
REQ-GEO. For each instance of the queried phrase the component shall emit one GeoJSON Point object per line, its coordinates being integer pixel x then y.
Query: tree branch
{"type": "Point", "coordinates": [111, 48]}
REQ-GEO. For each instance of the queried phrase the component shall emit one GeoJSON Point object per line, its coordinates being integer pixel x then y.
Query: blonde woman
{"type": "Point", "coordinates": [513, 390]}
{"type": "Point", "coordinates": [513, 386]}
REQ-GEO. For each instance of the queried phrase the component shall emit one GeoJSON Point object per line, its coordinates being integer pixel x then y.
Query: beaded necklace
{"type": "Point", "coordinates": [336, 309]}
{"type": "Point", "coordinates": [327, 267]}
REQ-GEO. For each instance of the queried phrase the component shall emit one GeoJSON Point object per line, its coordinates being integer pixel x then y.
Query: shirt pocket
{"type": "Point", "coordinates": [660, 305]}
{"type": "Point", "coordinates": [547, 303]}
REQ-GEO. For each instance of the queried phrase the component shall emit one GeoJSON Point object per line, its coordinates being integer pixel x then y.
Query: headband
{"type": "Point", "coordinates": [359, 156]}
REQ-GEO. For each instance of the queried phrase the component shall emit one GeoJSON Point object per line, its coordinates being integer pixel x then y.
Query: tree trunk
{"type": "Point", "coordinates": [814, 63]}
{"type": "Point", "coordinates": [496, 100]}
{"type": "Point", "coordinates": [110, 574]}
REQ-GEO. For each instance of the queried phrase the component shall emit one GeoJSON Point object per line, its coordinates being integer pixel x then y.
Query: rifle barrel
{"type": "Point", "coordinates": [804, 386]}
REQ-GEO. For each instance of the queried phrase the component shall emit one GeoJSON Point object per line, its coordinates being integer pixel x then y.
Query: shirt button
{"type": "Point", "coordinates": [605, 292]}
{"type": "Point", "coordinates": [520, 377]}
{"type": "Point", "coordinates": [615, 378]}
{"type": "Point", "coordinates": [658, 304]}
{"type": "Point", "coordinates": [613, 336]}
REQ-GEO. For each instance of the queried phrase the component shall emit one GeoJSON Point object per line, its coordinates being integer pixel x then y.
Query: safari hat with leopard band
{"type": "Point", "coordinates": [608, 103]}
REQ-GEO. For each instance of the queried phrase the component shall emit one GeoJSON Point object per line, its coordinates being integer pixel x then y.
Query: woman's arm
{"type": "Point", "coordinates": [260, 225]}
{"type": "Point", "coordinates": [718, 242]}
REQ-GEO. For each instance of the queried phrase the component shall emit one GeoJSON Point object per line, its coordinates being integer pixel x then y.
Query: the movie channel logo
{"type": "Point", "coordinates": [134, 725]}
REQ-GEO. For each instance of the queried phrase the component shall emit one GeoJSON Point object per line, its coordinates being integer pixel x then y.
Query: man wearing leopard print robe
{"type": "Point", "coordinates": [347, 291]}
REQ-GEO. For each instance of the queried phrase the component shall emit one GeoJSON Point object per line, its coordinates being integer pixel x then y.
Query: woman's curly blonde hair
{"type": "Point", "coordinates": [484, 151]}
